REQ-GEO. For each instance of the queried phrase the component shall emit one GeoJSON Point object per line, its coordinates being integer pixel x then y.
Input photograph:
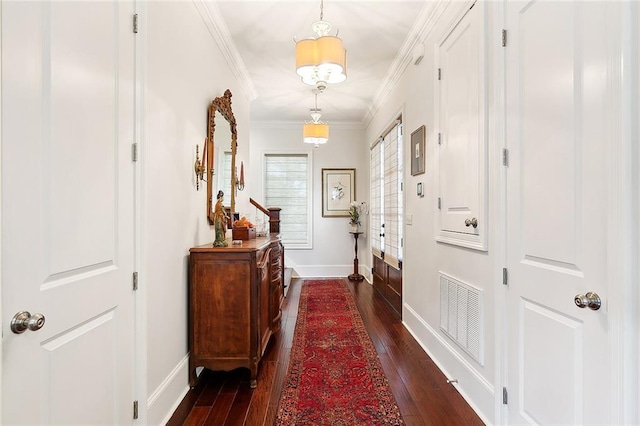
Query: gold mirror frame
{"type": "Point", "coordinates": [223, 106]}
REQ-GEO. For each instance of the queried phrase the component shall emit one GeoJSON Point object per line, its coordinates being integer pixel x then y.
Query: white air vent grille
{"type": "Point", "coordinates": [461, 315]}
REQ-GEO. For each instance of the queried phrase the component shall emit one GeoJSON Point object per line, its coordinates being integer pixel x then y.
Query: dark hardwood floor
{"type": "Point", "coordinates": [420, 388]}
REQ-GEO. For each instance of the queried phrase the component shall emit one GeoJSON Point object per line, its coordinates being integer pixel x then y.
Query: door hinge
{"type": "Point", "coordinates": [135, 410]}
{"type": "Point", "coordinates": [134, 152]}
{"type": "Point", "coordinates": [372, 270]}
{"type": "Point", "coordinates": [504, 38]}
{"type": "Point", "coordinates": [505, 276]}
{"type": "Point", "coordinates": [439, 203]}
{"type": "Point", "coordinates": [401, 186]}
{"type": "Point", "coordinates": [135, 23]}
{"type": "Point", "coordinates": [439, 138]}
{"type": "Point", "coordinates": [135, 281]}
{"type": "Point", "coordinates": [505, 157]}
{"type": "Point", "coordinates": [401, 242]}
{"type": "Point", "coordinates": [439, 74]}
{"type": "Point", "coordinates": [505, 396]}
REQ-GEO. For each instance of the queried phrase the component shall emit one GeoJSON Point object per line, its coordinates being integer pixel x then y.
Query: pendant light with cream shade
{"type": "Point", "coordinates": [315, 131]}
{"type": "Point", "coordinates": [321, 60]}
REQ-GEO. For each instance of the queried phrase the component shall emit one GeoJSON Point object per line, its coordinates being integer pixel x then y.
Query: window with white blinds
{"type": "Point", "coordinates": [386, 196]}
{"type": "Point", "coordinates": [377, 194]}
{"type": "Point", "coordinates": [287, 182]}
{"type": "Point", "coordinates": [224, 176]}
{"type": "Point", "coordinates": [393, 196]}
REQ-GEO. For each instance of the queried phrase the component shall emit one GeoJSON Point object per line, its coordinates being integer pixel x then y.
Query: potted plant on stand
{"type": "Point", "coordinates": [355, 210]}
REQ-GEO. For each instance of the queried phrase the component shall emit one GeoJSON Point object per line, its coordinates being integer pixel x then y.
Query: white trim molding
{"type": "Point", "coordinates": [623, 303]}
{"type": "Point", "coordinates": [168, 395]}
{"type": "Point", "coordinates": [220, 33]}
{"type": "Point", "coordinates": [322, 271]}
{"type": "Point", "coordinates": [453, 365]}
{"type": "Point", "coordinates": [424, 24]}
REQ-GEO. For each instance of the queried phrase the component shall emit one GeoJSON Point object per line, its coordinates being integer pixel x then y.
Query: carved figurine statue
{"type": "Point", "coordinates": [220, 221]}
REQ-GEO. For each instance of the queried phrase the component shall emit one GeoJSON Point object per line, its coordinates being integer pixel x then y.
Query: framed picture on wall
{"type": "Point", "coordinates": [417, 151]}
{"type": "Point", "coordinates": [338, 191]}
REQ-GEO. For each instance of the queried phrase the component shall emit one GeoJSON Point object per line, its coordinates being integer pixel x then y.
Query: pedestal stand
{"type": "Point", "coordinates": [355, 276]}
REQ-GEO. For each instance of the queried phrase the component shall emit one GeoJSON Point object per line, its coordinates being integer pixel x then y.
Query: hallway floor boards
{"type": "Point", "coordinates": [420, 388]}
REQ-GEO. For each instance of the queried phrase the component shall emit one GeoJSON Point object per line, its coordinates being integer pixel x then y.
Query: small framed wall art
{"type": "Point", "coordinates": [417, 151]}
{"type": "Point", "coordinates": [338, 191]}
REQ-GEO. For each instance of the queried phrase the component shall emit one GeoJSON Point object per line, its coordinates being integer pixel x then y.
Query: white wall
{"type": "Point", "coordinates": [332, 253]}
{"type": "Point", "coordinates": [184, 71]}
{"type": "Point", "coordinates": [424, 258]}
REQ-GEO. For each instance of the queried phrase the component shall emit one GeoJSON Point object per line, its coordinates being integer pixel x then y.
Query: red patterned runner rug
{"type": "Point", "coordinates": [334, 376]}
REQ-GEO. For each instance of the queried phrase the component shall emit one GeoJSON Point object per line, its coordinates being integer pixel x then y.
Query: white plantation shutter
{"type": "Point", "coordinates": [224, 182]}
{"type": "Point", "coordinates": [375, 205]}
{"type": "Point", "coordinates": [400, 198]}
{"type": "Point", "coordinates": [386, 196]}
{"type": "Point", "coordinates": [393, 196]}
{"type": "Point", "coordinates": [288, 185]}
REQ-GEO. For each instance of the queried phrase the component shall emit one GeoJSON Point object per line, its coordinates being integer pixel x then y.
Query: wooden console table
{"type": "Point", "coordinates": [356, 276]}
{"type": "Point", "coordinates": [235, 299]}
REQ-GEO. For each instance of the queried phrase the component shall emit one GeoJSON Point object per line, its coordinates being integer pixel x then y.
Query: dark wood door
{"type": "Point", "coordinates": [387, 280]}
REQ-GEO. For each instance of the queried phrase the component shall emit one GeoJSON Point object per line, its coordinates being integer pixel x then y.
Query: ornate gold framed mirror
{"type": "Point", "coordinates": [220, 113]}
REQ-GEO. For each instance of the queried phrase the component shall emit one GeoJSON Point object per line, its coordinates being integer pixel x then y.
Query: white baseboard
{"type": "Point", "coordinates": [162, 403]}
{"type": "Point", "coordinates": [322, 271]}
{"type": "Point", "coordinates": [328, 271]}
{"type": "Point", "coordinates": [475, 389]}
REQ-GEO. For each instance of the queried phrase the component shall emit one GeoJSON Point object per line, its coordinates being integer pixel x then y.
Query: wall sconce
{"type": "Point", "coordinates": [199, 167]}
{"type": "Point", "coordinates": [240, 182]}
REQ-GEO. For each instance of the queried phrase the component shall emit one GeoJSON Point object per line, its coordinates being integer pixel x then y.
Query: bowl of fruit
{"type": "Point", "coordinates": [242, 229]}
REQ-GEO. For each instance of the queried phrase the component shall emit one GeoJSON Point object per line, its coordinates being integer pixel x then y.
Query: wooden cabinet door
{"type": "Point", "coordinates": [277, 283]}
{"type": "Point", "coordinates": [264, 285]}
{"type": "Point", "coordinates": [220, 303]}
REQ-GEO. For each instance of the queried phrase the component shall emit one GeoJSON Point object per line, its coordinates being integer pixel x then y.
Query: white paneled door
{"type": "Point", "coordinates": [560, 87]}
{"type": "Point", "coordinates": [68, 211]}
{"type": "Point", "coordinates": [462, 177]}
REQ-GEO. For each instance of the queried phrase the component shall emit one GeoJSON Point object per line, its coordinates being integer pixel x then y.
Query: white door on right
{"type": "Point", "coordinates": [462, 177]}
{"type": "Point", "coordinates": [559, 85]}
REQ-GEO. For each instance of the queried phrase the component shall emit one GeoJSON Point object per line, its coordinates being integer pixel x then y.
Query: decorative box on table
{"type": "Point", "coordinates": [243, 233]}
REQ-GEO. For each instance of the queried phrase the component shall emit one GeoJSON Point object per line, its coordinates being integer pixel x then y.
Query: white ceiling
{"type": "Point", "coordinates": [379, 35]}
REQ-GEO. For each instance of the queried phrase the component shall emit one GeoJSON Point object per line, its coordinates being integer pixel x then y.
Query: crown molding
{"type": "Point", "coordinates": [421, 29]}
{"type": "Point", "coordinates": [220, 33]}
